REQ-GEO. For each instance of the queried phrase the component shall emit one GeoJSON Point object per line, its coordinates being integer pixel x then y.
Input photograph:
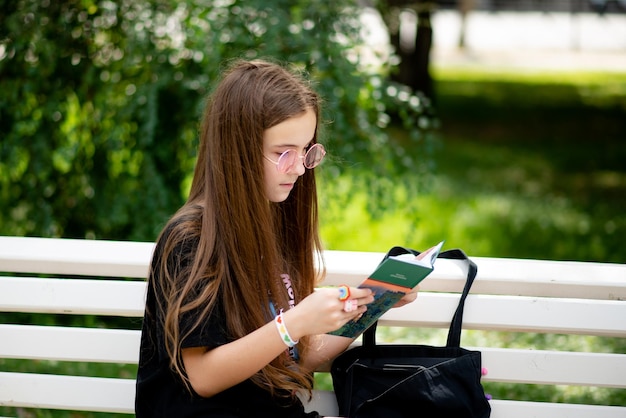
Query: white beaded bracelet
{"type": "Point", "coordinates": [282, 330]}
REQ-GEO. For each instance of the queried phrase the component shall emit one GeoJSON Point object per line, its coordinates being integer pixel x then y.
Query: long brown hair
{"type": "Point", "coordinates": [244, 241]}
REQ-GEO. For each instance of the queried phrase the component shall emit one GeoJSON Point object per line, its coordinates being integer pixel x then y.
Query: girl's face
{"type": "Point", "coordinates": [296, 134]}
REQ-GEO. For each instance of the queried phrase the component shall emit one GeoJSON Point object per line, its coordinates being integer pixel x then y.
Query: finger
{"type": "Point", "coordinates": [406, 299]}
{"type": "Point", "coordinates": [359, 293]}
{"type": "Point", "coordinates": [350, 305]}
{"type": "Point", "coordinates": [411, 296]}
{"type": "Point", "coordinates": [354, 315]}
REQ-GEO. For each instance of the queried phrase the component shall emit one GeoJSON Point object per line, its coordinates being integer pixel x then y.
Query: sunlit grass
{"type": "Point", "coordinates": [482, 222]}
{"type": "Point", "coordinates": [576, 78]}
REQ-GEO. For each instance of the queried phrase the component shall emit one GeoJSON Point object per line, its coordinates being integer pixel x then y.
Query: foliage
{"type": "Point", "coordinates": [102, 98]}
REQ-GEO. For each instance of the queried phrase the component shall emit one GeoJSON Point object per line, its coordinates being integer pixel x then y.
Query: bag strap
{"type": "Point", "coordinates": [454, 333]}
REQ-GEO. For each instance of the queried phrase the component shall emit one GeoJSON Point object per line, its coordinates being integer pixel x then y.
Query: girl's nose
{"type": "Point", "coordinates": [299, 167]}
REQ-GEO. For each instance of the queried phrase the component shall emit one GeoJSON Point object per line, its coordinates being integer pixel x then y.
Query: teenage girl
{"type": "Point", "coordinates": [233, 326]}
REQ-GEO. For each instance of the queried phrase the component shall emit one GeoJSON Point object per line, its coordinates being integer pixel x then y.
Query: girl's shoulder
{"type": "Point", "coordinates": [186, 222]}
{"type": "Point", "coordinates": [181, 234]}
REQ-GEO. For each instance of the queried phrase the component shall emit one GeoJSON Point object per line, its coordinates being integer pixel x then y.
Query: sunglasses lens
{"type": "Point", "coordinates": [286, 161]}
{"type": "Point", "coordinates": [314, 156]}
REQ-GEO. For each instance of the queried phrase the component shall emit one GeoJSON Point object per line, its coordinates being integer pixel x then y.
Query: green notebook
{"type": "Point", "coordinates": [391, 280]}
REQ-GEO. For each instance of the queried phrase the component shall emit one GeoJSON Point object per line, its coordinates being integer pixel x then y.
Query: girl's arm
{"type": "Point", "coordinates": [326, 347]}
{"type": "Point", "coordinates": [212, 371]}
{"type": "Point", "coordinates": [324, 350]}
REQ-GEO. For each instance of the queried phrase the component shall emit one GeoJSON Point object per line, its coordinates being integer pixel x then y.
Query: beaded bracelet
{"type": "Point", "coordinates": [282, 330]}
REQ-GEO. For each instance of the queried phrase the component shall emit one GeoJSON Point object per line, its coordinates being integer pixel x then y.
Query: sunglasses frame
{"type": "Point", "coordinates": [317, 147]}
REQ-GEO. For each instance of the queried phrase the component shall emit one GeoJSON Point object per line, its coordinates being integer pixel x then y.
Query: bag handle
{"type": "Point", "coordinates": [454, 333]}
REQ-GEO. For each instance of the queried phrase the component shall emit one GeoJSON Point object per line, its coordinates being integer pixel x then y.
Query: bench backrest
{"type": "Point", "coordinates": [63, 277]}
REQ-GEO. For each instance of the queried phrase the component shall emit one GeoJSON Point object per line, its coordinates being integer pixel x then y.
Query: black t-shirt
{"type": "Point", "coordinates": [161, 393]}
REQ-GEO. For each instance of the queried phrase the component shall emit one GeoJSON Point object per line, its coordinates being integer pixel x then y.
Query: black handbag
{"type": "Point", "coordinates": [393, 381]}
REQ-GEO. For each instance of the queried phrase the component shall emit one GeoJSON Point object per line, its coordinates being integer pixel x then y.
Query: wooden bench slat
{"type": "Point", "coordinates": [75, 256]}
{"type": "Point", "coordinates": [324, 402]}
{"type": "Point", "coordinates": [117, 396]}
{"type": "Point", "coordinates": [524, 409]}
{"type": "Point", "coordinates": [498, 276]}
{"type": "Point", "coordinates": [550, 278]}
{"type": "Point", "coordinates": [548, 367]}
{"type": "Point", "coordinates": [487, 312]}
{"type": "Point", "coordinates": [69, 344]}
{"type": "Point", "coordinates": [72, 296]}
{"type": "Point", "coordinates": [504, 365]}
{"type": "Point", "coordinates": [30, 390]}
{"type": "Point", "coordinates": [504, 313]}
{"type": "Point", "coordinates": [495, 275]}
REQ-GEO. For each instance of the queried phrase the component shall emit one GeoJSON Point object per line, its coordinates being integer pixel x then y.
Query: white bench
{"type": "Point", "coordinates": [108, 278]}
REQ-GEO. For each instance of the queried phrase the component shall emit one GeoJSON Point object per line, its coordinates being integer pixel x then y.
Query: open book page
{"type": "Point", "coordinates": [426, 258]}
{"type": "Point", "coordinates": [392, 279]}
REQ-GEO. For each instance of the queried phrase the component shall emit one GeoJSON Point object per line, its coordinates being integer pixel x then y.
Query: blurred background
{"type": "Point", "coordinates": [499, 126]}
{"type": "Point", "coordinates": [529, 153]}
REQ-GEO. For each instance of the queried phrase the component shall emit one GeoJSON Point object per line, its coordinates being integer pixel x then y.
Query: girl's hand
{"type": "Point", "coordinates": [322, 311]}
{"type": "Point", "coordinates": [408, 298]}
